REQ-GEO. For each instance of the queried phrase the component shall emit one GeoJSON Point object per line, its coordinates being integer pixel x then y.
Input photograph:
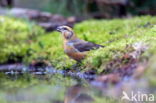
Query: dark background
{"type": "Point", "coordinates": [87, 8]}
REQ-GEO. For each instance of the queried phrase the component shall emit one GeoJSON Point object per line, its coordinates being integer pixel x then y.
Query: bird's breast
{"type": "Point", "coordinates": [69, 49]}
{"type": "Point", "coordinates": [78, 56]}
{"type": "Point", "coordinates": [73, 53]}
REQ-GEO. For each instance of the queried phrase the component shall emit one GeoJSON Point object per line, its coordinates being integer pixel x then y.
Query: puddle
{"type": "Point", "coordinates": [48, 85]}
{"type": "Point", "coordinates": [50, 89]}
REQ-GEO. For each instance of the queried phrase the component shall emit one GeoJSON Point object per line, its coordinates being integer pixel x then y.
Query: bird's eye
{"type": "Point", "coordinates": [64, 28]}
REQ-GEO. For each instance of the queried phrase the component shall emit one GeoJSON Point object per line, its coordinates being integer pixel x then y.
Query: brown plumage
{"type": "Point", "coordinates": [74, 47]}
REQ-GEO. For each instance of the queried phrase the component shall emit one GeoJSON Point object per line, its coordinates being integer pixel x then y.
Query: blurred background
{"type": "Point", "coordinates": [51, 13]}
{"type": "Point", "coordinates": [87, 8]}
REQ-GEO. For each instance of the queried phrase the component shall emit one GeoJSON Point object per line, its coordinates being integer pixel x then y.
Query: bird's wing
{"type": "Point", "coordinates": [86, 46]}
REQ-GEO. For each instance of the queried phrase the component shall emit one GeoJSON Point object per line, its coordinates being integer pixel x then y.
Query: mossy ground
{"type": "Point", "coordinates": [15, 39]}
{"type": "Point", "coordinates": [29, 42]}
{"type": "Point", "coordinates": [22, 41]}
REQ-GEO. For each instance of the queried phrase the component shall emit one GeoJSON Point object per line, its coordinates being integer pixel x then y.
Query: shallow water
{"type": "Point", "coordinates": [48, 85]}
{"type": "Point", "coordinates": [23, 84]}
{"type": "Point", "coordinates": [49, 89]}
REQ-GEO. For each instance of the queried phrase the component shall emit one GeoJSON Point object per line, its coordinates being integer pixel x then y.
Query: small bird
{"type": "Point", "coordinates": [74, 47]}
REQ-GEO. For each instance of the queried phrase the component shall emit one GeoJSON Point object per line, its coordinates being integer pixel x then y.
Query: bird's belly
{"type": "Point", "coordinates": [73, 53]}
{"type": "Point", "coordinates": [78, 56]}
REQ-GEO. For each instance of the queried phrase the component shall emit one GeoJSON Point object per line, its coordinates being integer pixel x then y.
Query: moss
{"type": "Point", "coordinates": [25, 41]}
{"type": "Point", "coordinates": [15, 38]}
{"type": "Point", "coordinates": [116, 35]}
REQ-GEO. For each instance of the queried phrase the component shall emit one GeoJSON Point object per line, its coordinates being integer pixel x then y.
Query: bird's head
{"type": "Point", "coordinates": [66, 31]}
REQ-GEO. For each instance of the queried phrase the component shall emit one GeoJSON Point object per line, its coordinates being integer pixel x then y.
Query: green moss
{"type": "Point", "coordinates": [15, 39]}
{"type": "Point", "coordinates": [116, 35]}
{"type": "Point", "coordinates": [26, 42]}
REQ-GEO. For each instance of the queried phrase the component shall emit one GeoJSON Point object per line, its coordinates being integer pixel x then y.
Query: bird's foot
{"type": "Point", "coordinates": [76, 67]}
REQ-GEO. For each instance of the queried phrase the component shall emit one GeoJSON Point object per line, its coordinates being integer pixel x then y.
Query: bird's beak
{"type": "Point", "coordinates": [58, 29]}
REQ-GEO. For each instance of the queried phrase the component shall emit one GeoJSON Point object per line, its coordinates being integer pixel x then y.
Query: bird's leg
{"type": "Point", "coordinates": [76, 66]}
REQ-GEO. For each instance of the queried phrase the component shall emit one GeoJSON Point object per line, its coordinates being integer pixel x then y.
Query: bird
{"type": "Point", "coordinates": [74, 47]}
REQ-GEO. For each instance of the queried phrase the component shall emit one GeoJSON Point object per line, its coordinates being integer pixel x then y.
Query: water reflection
{"type": "Point", "coordinates": [78, 94]}
{"type": "Point", "coordinates": [56, 89]}
{"type": "Point", "coordinates": [70, 87]}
